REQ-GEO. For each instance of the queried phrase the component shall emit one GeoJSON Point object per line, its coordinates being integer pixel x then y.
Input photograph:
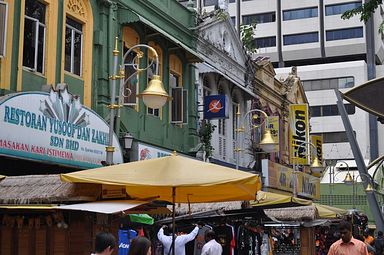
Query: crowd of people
{"type": "Point", "coordinates": [347, 244]}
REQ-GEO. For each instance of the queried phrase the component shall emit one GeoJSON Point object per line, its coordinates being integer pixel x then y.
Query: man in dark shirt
{"type": "Point", "coordinates": [379, 243]}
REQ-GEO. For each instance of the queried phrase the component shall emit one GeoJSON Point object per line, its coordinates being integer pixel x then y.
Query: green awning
{"type": "Point", "coordinates": [141, 218]}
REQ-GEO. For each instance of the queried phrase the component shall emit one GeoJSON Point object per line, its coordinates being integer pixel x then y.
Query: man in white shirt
{"type": "Point", "coordinates": [180, 241]}
{"type": "Point", "coordinates": [211, 247]}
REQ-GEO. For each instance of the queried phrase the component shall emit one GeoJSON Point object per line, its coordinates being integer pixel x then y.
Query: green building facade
{"type": "Point", "coordinates": [71, 41]}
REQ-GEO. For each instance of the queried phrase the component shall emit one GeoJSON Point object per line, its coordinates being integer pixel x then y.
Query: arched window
{"type": "Point", "coordinates": [179, 103]}
{"type": "Point", "coordinates": [130, 39]}
{"type": "Point", "coordinates": [151, 72]}
{"type": "Point", "coordinates": [78, 31]}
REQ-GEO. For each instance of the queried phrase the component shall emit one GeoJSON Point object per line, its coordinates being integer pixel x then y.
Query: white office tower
{"type": "Point", "coordinates": [330, 53]}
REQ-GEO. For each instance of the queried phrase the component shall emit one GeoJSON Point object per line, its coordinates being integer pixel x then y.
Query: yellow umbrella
{"type": "Point", "coordinates": [192, 181]}
{"type": "Point", "coordinates": [1, 177]}
{"type": "Point", "coordinates": [174, 178]}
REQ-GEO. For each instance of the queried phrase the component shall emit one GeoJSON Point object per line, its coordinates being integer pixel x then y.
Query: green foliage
{"type": "Point", "coordinates": [246, 35]}
{"type": "Point", "coordinates": [205, 133]}
{"type": "Point", "coordinates": [365, 11]}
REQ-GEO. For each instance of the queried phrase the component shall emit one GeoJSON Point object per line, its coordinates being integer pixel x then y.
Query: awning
{"type": "Point", "coordinates": [368, 96]}
{"type": "Point", "coordinates": [115, 206]}
{"type": "Point", "coordinates": [141, 218]}
{"type": "Point", "coordinates": [329, 212]}
{"type": "Point", "coordinates": [304, 209]}
{"type": "Point", "coordinates": [29, 207]}
{"type": "Point", "coordinates": [208, 68]}
{"type": "Point", "coordinates": [192, 55]}
{"type": "Point", "coordinates": [273, 199]}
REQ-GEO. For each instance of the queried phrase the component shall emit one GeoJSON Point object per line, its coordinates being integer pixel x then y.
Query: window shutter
{"type": "Point", "coordinates": [224, 148]}
{"type": "Point", "coordinates": [3, 27]}
{"type": "Point", "coordinates": [185, 106]}
{"type": "Point", "coordinates": [220, 146]}
{"type": "Point", "coordinates": [177, 105]}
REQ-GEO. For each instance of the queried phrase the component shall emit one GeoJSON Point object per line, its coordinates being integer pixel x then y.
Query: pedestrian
{"type": "Point", "coordinates": [379, 243]}
{"type": "Point", "coordinates": [211, 247]}
{"type": "Point", "coordinates": [180, 240]}
{"type": "Point", "coordinates": [347, 245]}
{"type": "Point", "coordinates": [140, 246]}
{"type": "Point", "coordinates": [104, 244]}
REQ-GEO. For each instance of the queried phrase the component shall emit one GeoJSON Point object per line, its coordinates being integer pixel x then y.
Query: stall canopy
{"type": "Point", "coordinates": [269, 199]}
{"type": "Point", "coordinates": [300, 210]}
{"type": "Point", "coordinates": [175, 179]}
{"type": "Point", "coordinates": [116, 206]}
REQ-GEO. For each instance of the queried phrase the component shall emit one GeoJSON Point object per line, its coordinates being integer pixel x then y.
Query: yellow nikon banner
{"type": "Point", "coordinates": [317, 140]}
{"type": "Point", "coordinates": [299, 134]}
{"type": "Point", "coordinates": [273, 125]}
{"type": "Point", "coordinates": [282, 178]}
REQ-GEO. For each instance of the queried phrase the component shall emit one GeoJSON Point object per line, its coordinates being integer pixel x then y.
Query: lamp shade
{"type": "Point", "coordinates": [369, 188]}
{"type": "Point", "coordinates": [128, 139]}
{"type": "Point", "coordinates": [267, 143]}
{"type": "Point", "coordinates": [348, 179]}
{"type": "Point", "coordinates": [155, 96]}
{"type": "Point", "coordinates": [316, 167]}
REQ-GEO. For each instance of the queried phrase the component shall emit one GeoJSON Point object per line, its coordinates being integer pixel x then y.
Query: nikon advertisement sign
{"type": "Point", "coordinates": [299, 134]}
{"type": "Point", "coordinates": [317, 140]}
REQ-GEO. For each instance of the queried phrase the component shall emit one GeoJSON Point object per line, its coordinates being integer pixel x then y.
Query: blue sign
{"type": "Point", "coordinates": [215, 107]}
{"type": "Point", "coordinates": [125, 237]}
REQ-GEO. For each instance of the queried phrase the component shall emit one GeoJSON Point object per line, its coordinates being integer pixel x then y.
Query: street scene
{"type": "Point", "coordinates": [191, 127]}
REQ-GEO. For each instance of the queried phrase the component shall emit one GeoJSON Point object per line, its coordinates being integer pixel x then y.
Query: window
{"type": "Point", "coordinates": [3, 26]}
{"type": "Point", "coordinates": [301, 38]}
{"type": "Point", "coordinates": [131, 87]}
{"type": "Point", "coordinates": [333, 83]}
{"type": "Point", "coordinates": [233, 21]}
{"type": "Point", "coordinates": [210, 2]}
{"type": "Point", "coordinates": [152, 70]}
{"type": "Point", "coordinates": [340, 8]}
{"type": "Point", "coordinates": [73, 46]}
{"type": "Point", "coordinates": [265, 42]}
{"type": "Point", "coordinates": [34, 36]}
{"type": "Point", "coordinates": [215, 2]}
{"type": "Point", "coordinates": [334, 137]}
{"type": "Point", "coordinates": [300, 13]}
{"type": "Point", "coordinates": [347, 33]}
{"type": "Point", "coordinates": [259, 18]}
{"type": "Point", "coordinates": [330, 110]}
{"type": "Point", "coordinates": [179, 103]}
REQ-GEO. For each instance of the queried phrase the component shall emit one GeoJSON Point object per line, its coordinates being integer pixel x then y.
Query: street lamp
{"type": "Point", "coordinates": [315, 166]}
{"type": "Point", "coordinates": [352, 180]}
{"type": "Point", "coordinates": [154, 96]}
{"type": "Point", "coordinates": [267, 143]}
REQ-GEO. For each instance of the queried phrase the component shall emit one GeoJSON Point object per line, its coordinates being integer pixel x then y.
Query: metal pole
{"type": "Point", "coordinates": [237, 131]}
{"type": "Point", "coordinates": [330, 185]}
{"type": "Point", "coordinates": [353, 191]}
{"type": "Point", "coordinates": [173, 220]}
{"type": "Point", "coordinates": [372, 201]}
{"type": "Point", "coordinates": [110, 149]}
{"type": "Point", "coordinates": [238, 16]}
